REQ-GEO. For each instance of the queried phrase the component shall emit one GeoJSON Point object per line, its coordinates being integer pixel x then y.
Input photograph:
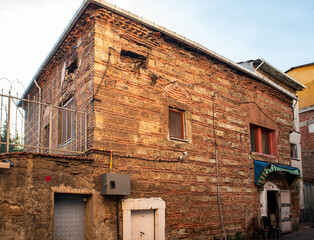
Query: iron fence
{"type": "Point", "coordinates": [31, 126]}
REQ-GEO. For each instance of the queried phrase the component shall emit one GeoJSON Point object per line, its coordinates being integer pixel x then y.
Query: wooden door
{"type": "Point", "coordinates": [143, 224]}
{"type": "Point", "coordinates": [285, 208]}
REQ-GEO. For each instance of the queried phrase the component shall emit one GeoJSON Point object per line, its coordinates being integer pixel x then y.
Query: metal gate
{"type": "Point", "coordinates": [308, 202]}
{"type": "Point", "coordinates": [69, 217]}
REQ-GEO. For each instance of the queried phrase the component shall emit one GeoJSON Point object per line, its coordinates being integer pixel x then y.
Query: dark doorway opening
{"type": "Point", "coordinates": [273, 208]}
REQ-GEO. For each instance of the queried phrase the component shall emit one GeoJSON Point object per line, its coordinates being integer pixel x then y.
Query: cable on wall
{"type": "Point", "coordinates": [217, 172]}
{"type": "Point", "coordinates": [109, 153]}
{"type": "Point", "coordinates": [105, 73]}
{"type": "Point", "coordinates": [117, 211]}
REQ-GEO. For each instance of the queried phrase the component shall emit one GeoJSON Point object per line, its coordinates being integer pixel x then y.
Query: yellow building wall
{"type": "Point", "coordinates": [304, 75]}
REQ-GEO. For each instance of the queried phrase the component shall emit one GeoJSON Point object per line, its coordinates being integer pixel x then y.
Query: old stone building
{"type": "Point", "coordinates": [203, 140]}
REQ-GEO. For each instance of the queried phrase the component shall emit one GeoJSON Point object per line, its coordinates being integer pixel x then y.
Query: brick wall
{"type": "Point", "coordinates": [138, 74]}
{"type": "Point", "coordinates": [131, 114]}
{"type": "Point", "coordinates": [77, 47]}
{"type": "Point", "coordinates": [307, 145]}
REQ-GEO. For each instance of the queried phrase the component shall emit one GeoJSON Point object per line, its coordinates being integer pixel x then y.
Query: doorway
{"type": "Point", "coordinates": [143, 224]}
{"type": "Point", "coordinates": [273, 208]}
{"type": "Point", "coordinates": [69, 217]}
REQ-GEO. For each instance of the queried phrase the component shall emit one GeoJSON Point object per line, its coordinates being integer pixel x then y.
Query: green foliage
{"type": "Point", "coordinates": [14, 140]}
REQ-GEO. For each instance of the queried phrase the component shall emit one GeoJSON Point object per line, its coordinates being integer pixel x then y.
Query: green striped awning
{"type": "Point", "coordinates": [262, 169]}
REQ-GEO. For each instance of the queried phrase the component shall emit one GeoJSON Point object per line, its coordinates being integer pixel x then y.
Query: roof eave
{"type": "Point", "coordinates": [158, 28]}
{"type": "Point", "coordinates": [303, 65]}
{"type": "Point", "coordinates": [73, 21]}
{"type": "Point", "coordinates": [284, 78]}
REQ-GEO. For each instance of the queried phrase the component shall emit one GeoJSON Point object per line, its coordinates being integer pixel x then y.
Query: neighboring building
{"type": "Point", "coordinates": [305, 75]}
{"type": "Point", "coordinates": [261, 66]}
{"type": "Point", "coordinates": [205, 141]}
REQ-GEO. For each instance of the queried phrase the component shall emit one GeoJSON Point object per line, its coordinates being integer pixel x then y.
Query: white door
{"type": "Point", "coordinates": [285, 208]}
{"type": "Point", "coordinates": [143, 224]}
{"type": "Point", "coordinates": [69, 217]}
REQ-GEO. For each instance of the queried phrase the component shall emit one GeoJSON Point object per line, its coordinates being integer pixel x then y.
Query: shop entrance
{"type": "Point", "coordinates": [273, 208]}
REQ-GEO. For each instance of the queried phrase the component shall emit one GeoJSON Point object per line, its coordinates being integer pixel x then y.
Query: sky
{"type": "Point", "coordinates": [280, 31]}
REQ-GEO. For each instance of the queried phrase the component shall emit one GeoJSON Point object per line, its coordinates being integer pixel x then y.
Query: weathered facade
{"type": "Point", "coordinates": [305, 75]}
{"type": "Point", "coordinates": [176, 117]}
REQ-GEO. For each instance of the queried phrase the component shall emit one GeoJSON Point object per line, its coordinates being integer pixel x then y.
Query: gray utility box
{"type": "Point", "coordinates": [115, 184]}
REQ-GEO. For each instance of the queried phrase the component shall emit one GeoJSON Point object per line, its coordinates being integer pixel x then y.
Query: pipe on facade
{"type": "Point", "coordinates": [39, 112]}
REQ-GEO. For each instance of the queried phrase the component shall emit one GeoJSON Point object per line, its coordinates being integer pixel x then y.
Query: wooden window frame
{"type": "Point", "coordinates": [182, 122]}
{"type": "Point", "coordinates": [65, 139]}
{"type": "Point", "coordinates": [271, 138]}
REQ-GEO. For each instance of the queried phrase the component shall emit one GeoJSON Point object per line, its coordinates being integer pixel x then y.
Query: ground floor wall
{"type": "Point", "coordinates": [179, 198]}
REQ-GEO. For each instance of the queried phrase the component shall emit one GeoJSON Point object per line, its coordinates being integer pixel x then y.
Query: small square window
{"type": "Point", "coordinates": [263, 140]}
{"type": "Point", "coordinates": [176, 124]}
{"type": "Point", "coordinates": [293, 150]}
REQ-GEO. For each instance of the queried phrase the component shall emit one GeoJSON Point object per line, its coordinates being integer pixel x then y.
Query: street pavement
{"type": "Point", "coordinates": [306, 233]}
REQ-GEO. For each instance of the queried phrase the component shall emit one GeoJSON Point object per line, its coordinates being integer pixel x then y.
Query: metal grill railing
{"type": "Point", "coordinates": [28, 125]}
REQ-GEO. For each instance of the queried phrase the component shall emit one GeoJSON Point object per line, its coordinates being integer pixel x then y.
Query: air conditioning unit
{"type": "Point", "coordinates": [115, 184]}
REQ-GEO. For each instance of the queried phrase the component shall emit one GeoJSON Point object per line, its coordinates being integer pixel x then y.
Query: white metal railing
{"type": "Point", "coordinates": [31, 126]}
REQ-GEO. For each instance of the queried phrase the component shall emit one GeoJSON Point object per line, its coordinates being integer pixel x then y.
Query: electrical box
{"type": "Point", "coordinates": [115, 184]}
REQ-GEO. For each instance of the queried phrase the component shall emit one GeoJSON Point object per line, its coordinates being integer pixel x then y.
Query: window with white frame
{"type": "Point", "coordinates": [294, 150]}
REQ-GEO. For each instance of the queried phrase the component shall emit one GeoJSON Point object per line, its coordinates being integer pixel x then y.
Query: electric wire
{"type": "Point", "coordinates": [117, 211]}
{"type": "Point", "coordinates": [109, 153]}
{"type": "Point", "coordinates": [105, 73]}
{"type": "Point", "coordinates": [217, 172]}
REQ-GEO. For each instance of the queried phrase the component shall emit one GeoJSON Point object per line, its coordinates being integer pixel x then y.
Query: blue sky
{"type": "Point", "coordinates": [280, 31]}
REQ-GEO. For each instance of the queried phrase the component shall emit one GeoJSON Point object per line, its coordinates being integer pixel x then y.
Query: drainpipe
{"type": "Point", "coordinates": [39, 113]}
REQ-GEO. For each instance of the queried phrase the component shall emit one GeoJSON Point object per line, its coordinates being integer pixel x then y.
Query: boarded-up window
{"type": "Point", "coordinates": [66, 122]}
{"type": "Point", "coordinates": [176, 124]}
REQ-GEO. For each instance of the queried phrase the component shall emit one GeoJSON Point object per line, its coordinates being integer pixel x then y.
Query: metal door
{"type": "Point", "coordinates": [285, 208]}
{"type": "Point", "coordinates": [143, 225]}
{"type": "Point", "coordinates": [309, 202]}
{"type": "Point", "coordinates": [69, 217]}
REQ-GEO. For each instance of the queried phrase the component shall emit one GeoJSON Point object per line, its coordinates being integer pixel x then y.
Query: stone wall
{"type": "Point", "coordinates": [27, 192]}
{"type": "Point", "coordinates": [76, 54]}
{"type": "Point", "coordinates": [135, 75]}
{"type": "Point", "coordinates": [146, 73]}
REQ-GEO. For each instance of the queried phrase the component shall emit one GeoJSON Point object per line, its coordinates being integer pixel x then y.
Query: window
{"type": "Point", "coordinates": [47, 137]}
{"type": "Point", "coordinates": [176, 124]}
{"type": "Point", "coordinates": [66, 124]}
{"type": "Point", "coordinates": [68, 73]}
{"type": "Point", "coordinates": [311, 127]}
{"type": "Point", "coordinates": [263, 140]}
{"type": "Point", "coordinates": [294, 150]}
